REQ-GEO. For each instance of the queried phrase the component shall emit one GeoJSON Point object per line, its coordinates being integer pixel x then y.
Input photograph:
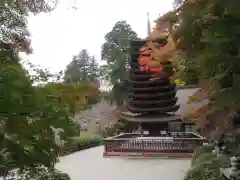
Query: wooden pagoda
{"type": "Point", "coordinates": [151, 104]}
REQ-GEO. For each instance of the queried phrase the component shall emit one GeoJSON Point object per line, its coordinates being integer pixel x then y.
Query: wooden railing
{"type": "Point", "coordinates": [172, 143]}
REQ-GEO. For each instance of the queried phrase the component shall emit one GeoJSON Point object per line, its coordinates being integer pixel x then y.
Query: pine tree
{"type": "Point", "coordinates": [93, 71]}
{"type": "Point", "coordinates": [78, 68]}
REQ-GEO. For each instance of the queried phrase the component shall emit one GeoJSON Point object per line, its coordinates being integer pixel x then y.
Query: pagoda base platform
{"type": "Point", "coordinates": [148, 155]}
{"type": "Point", "coordinates": [171, 144]}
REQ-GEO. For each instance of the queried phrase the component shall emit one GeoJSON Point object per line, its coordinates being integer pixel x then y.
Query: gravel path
{"type": "Point", "coordinates": [90, 165]}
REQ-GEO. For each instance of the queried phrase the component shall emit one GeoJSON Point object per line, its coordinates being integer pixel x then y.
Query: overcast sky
{"type": "Point", "coordinates": [59, 35]}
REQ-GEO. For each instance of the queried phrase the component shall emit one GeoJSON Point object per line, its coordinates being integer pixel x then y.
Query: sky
{"type": "Point", "coordinates": [62, 33]}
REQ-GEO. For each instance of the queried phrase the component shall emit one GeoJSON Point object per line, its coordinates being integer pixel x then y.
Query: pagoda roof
{"type": "Point", "coordinates": [183, 94]}
{"type": "Point", "coordinates": [149, 118]}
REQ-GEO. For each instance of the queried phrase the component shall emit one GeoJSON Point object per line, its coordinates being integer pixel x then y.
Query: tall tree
{"type": "Point", "coordinates": [78, 69]}
{"type": "Point", "coordinates": [208, 35]}
{"type": "Point", "coordinates": [36, 120]}
{"type": "Point", "coordinates": [26, 107]}
{"type": "Point", "coordinates": [115, 51]}
{"type": "Point", "coordinates": [93, 72]}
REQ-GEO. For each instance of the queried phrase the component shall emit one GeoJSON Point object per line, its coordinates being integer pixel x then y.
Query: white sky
{"type": "Point", "coordinates": [59, 35]}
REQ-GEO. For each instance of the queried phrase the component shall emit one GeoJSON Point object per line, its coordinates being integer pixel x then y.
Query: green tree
{"type": "Point", "coordinates": [115, 51]}
{"type": "Point", "coordinates": [36, 120]}
{"type": "Point", "coordinates": [208, 35]}
{"type": "Point", "coordinates": [28, 134]}
{"type": "Point", "coordinates": [34, 123]}
{"type": "Point", "coordinates": [93, 69]}
{"type": "Point", "coordinates": [82, 68]}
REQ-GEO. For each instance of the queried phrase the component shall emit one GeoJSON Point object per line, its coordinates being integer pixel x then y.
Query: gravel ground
{"type": "Point", "coordinates": [90, 165]}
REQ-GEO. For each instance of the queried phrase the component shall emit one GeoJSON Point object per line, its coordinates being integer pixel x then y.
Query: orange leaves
{"type": "Point", "coordinates": [160, 49]}
{"type": "Point", "coordinates": [76, 96]}
{"type": "Point", "coordinates": [147, 62]}
{"type": "Point", "coordinates": [164, 53]}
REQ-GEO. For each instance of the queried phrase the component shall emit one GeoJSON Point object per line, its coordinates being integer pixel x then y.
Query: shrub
{"type": "Point", "coordinates": [38, 173]}
{"type": "Point", "coordinates": [85, 141]}
{"type": "Point", "coordinates": [79, 143]}
{"type": "Point", "coordinates": [207, 170]}
{"type": "Point", "coordinates": [202, 150]}
{"type": "Point", "coordinates": [236, 167]}
{"type": "Point", "coordinates": [224, 161]}
{"type": "Point", "coordinates": [204, 157]}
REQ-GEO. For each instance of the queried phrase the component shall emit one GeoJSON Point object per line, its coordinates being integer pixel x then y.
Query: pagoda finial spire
{"type": "Point", "coordinates": [148, 24]}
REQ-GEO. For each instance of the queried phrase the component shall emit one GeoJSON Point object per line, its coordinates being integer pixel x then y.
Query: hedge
{"type": "Point", "coordinates": [37, 172]}
{"type": "Point", "coordinates": [206, 165]}
{"type": "Point", "coordinates": [79, 143]}
{"type": "Point", "coordinates": [204, 157]}
{"type": "Point", "coordinates": [42, 173]}
{"type": "Point", "coordinates": [204, 171]}
{"type": "Point", "coordinates": [202, 150]}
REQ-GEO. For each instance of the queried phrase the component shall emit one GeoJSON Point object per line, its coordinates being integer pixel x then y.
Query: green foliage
{"type": "Point", "coordinates": [206, 164]}
{"type": "Point", "coordinates": [202, 150]}
{"type": "Point", "coordinates": [14, 24]}
{"type": "Point", "coordinates": [36, 120]}
{"type": "Point", "coordinates": [83, 67]}
{"type": "Point", "coordinates": [204, 157]}
{"type": "Point", "coordinates": [208, 33]}
{"type": "Point", "coordinates": [115, 51]}
{"type": "Point", "coordinates": [224, 161]}
{"type": "Point", "coordinates": [39, 173]}
{"type": "Point", "coordinates": [76, 97]}
{"type": "Point", "coordinates": [205, 171]}
{"type": "Point", "coordinates": [236, 167]}
{"type": "Point", "coordinates": [34, 123]}
{"type": "Point", "coordinates": [85, 141]}
{"type": "Point", "coordinates": [79, 143]}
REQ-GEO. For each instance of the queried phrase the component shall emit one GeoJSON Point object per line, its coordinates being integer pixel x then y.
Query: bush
{"type": "Point", "coordinates": [224, 161]}
{"type": "Point", "coordinates": [206, 165]}
{"type": "Point", "coordinates": [79, 143]}
{"type": "Point", "coordinates": [85, 141]}
{"type": "Point", "coordinates": [202, 150]}
{"type": "Point", "coordinates": [207, 170]}
{"type": "Point", "coordinates": [38, 173]}
{"type": "Point", "coordinates": [204, 157]}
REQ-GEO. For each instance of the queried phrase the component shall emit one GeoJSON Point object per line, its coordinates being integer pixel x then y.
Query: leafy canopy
{"type": "Point", "coordinates": [83, 67]}
{"type": "Point", "coordinates": [208, 33]}
{"type": "Point", "coordinates": [115, 51]}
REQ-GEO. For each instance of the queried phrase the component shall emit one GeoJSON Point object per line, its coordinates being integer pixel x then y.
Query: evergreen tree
{"type": "Point", "coordinates": [78, 69]}
{"type": "Point", "coordinates": [115, 51]}
{"type": "Point", "coordinates": [93, 72]}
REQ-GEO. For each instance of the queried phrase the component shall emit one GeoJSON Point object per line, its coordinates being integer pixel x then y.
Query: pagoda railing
{"type": "Point", "coordinates": [184, 142]}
